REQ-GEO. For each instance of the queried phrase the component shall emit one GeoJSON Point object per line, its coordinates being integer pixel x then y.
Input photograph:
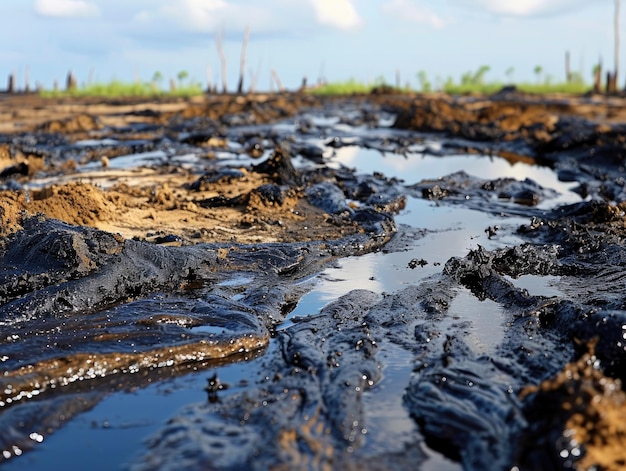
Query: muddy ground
{"type": "Point", "coordinates": [124, 224]}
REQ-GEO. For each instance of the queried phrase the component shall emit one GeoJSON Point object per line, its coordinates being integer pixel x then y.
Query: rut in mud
{"type": "Point", "coordinates": [190, 252]}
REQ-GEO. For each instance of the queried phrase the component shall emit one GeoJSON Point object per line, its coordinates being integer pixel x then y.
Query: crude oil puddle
{"type": "Point", "coordinates": [114, 430]}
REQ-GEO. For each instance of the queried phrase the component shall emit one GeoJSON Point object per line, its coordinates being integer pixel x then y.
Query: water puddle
{"type": "Point", "coordinates": [131, 161]}
{"type": "Point", "coordinates": [536, 285]}
{"type": "Point", "coordinates": [485, 319]}
{"type": "Point", "coordinates": [110, 433]}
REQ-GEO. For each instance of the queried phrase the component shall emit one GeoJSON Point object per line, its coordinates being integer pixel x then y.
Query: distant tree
{"type": "Point", "coordinates": [380, 81]}
{"type": "Point", "coordinates": [157, 77]}
{"type": "Point", "coordinates": [182, 75]}
{"type": "Point", "coordinates": [577, 78]}
{"type": "Point", "coordinates": [509, 74]}
{"type": "Point", "coordinates": [449, 84]}
{"type": "Point", "coordinates": [538, 71]}
{"type": "Point", "coordinates": [479, 76]}
{"type": "Point", "coordinates": [467, 78]}
{"type": "Point", "coordinates": [425, 84]}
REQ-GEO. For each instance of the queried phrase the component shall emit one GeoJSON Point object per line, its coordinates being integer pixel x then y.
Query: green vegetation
{"type": "Point", "coordinates": [342, 88]}
{"type": "Point", "coordinates": [470, 82]}
{"type": "Point", "coordinates": [117, 88]}
{"type": "Point", "coordinates": [352, 87]}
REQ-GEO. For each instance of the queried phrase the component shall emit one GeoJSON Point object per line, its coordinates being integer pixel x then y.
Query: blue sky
{"type": "Point", "coordinates": [339, 39]}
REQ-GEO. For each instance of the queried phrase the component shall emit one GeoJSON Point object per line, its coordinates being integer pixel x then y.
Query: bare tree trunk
{"type": "Point", "coordinates": [11, 83]}
{"type": "Point", "coordinates": [242, 63]}
{"type": "Point", "coordinates": [209, 79]}
{"type": "Point", "coordinates": [219, 43]}
{"type": "Point", "coordinates": [568, 70]}
{"type": "Point", "coordinates": [597, 77]}
{"type": "Point", "coordinates": [616, 43]}
{"type": "Point", "coordinates": [278, 82]}
{"type": "Point", "coordinates": [611, 82]}
{"type": "Point", "coordinates": [27, 79]}
{"type": "Point", "coordinates": [253, 79]}
{"type": "Point", "coordinates": [70, 83]}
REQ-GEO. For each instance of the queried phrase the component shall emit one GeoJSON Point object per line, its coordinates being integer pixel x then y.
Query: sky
{"type": "Point", "coordinates": [337, 40]}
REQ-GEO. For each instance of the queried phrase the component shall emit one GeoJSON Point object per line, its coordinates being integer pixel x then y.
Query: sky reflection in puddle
{"type": "Point", "coordinates": [449, 231]}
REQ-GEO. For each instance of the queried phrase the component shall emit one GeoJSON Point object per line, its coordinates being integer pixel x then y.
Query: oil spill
{"type": "Point", "coordinates": [430, 335]}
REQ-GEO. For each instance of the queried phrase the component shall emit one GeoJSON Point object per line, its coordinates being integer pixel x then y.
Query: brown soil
{"type": "Point", "coordinates": [590, 415]}
{"type": "Point", "coordinates": [158, 204]}
{"type": "Point", "coordinates": [148, 203]}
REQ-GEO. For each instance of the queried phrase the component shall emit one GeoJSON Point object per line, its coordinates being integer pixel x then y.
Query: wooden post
{"type": "Point", "coordinates": [242, 63]}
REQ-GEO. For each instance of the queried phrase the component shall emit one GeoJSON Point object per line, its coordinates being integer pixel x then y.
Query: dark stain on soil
{"type": "Point", "coordinates": [115, 275]}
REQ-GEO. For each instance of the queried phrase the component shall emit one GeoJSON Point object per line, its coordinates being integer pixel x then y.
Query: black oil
{"type": "Point", "coordinates": [334, 354]}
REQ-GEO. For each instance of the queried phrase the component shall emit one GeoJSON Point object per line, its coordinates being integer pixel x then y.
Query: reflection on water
{"type": "Point", "coordinates": [539, 285]}
{"type": "Point", "coordinates": [112, 432]}
{"type": "Point", "coordinates": [415, 167]}
{"type": "Point", "coordinates": [485, 319]}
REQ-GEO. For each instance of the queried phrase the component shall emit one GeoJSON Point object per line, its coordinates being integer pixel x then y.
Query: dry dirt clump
{"type": "Point", "coordinates": [74, 203]}
{"type": "Point", "coordinates": [80, 123]}
{"type": "Point", "coordinates": [167, 208]}
{"type": "Point", "coordinates": [479, 119]}
{"type": "Point", "coordinates": [584, 413]}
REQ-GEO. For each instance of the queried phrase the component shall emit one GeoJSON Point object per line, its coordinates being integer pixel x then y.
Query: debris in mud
{"type": "Point", "coordinates": [414, 263]}
{"type": "Point", "coordinates": [214, 387]}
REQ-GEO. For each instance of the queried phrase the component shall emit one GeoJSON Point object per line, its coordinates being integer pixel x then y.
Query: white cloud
{"type": "Point", "coordinates": [413, 12]}
{"type": "Point", "coordinates": [205, 15]}
{"type": "Point", "coordinates": [66, 8]}
{"type": "Point", "coordinates": [339, 14]}
{"type": "Point", "coordinates": [526, 8]}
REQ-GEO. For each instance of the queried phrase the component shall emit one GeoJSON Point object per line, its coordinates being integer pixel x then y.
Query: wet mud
{"type": "Point", "coordinates": [145, 242]}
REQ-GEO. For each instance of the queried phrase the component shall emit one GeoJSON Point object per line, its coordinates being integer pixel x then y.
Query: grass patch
{"type": "Point", "coordinates": [116, 88]}
{"type": "Point", "coordinates": [350, 87]}
{"type": "Point", "coordinates": [471, 82]}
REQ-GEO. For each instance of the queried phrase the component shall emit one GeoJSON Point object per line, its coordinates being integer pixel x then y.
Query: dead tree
{"type": "Point", "coordinates": [11, 83]}
{"type": "Point", "coordinates": [279, 84]}
{"type": "Point", "coordinates": [597, 77]}
{"type": "Point", "coordinates": [70, 82]}
{"type": "Point", "coordinates": [27, 80]}
{"type": "Point", "coordinates": [219, 43]}
{"type": "Point", "coordinates": [611, 78]}
{"type": "Point", "coordinates": [568, 70]}
{"type": "Point", "coordinates": [242, 63]}
{"type": "Point", "coordinates": [209, 79]}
